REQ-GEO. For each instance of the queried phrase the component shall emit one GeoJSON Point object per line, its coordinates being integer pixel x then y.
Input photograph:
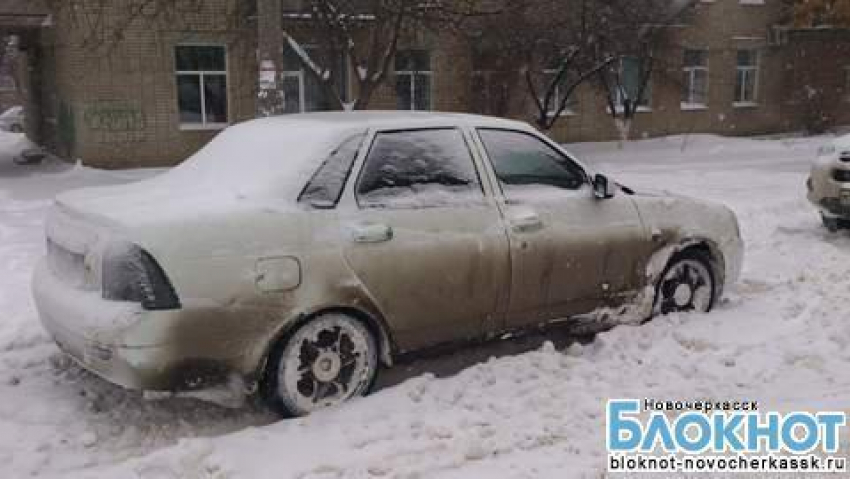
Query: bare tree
{"type": "Point", "coordinates": [362, 37]}
{"type": "Point", "coordinates": [554, 47]}
{"type": "Point", "coordinates": [639, 33]}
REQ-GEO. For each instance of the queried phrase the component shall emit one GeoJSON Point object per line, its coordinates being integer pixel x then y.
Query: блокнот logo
{"type": "Point", "coordinates": [689, 436]}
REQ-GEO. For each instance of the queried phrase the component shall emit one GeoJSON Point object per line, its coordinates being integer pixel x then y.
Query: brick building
{"type": "Point", "coordinates": [118, 88]}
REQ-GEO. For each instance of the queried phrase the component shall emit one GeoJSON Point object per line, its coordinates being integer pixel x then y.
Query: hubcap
{"type": "Point", "coordinates": [683, 295]}
{"type": "Point", "coordinates": [686, 286]}
{"type": "Point", "coordinates": [325, 363]}
{"type": "Point", "coordinates": [327, 367]}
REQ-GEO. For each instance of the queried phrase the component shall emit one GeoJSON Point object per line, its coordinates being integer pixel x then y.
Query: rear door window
{"type": "Point", "coordinates": [418, 168]}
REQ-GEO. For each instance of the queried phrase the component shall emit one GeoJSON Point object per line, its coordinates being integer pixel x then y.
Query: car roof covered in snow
{"type": "Point", "coordinates": [390, 119]}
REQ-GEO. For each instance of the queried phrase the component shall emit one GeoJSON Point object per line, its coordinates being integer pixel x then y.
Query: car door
{"type": "Point", "coordinates": [570, 252]}
{"type": "Point", "coordinates": [425, 239]}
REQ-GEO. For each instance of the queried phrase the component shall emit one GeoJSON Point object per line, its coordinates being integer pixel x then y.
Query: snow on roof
{"type": "Point", "coordinates": [390, 119]}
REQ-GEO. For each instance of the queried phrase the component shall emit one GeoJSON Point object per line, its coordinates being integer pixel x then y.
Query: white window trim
{"type": "Point", "coordinates": [753, 70]}
{"type": "Point", "coordinates": [301, 75]}
{"type": "Point", "coordinates": [556, 104]}
{"type": "Point", "coordinates": [618, 103]}
{"type": "Point", "coordinates": [689, 104]}
{"type": "Point", "coordinates": [411, 74]}
{"type": "Point", "coordinates": [639, 109]}
{"type": "Point", "coordinates": [204, 125]}
{"type": "Point", "coordinates": [298, 75]}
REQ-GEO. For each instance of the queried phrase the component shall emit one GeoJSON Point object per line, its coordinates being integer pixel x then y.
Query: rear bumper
{"type": "Point", "coordinates": [95, 332]}
{"type": "Point", "coordinates": [824, 192]}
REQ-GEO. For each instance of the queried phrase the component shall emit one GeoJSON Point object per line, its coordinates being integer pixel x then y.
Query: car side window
{"type": "Point", "coordinates": [326, 185]}
{"type": "Point", "coordinates": [415, 168]}
{"type": "Point", "coordinates": [521, 160]}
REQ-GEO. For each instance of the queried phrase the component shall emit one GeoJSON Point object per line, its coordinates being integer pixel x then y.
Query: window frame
{"type": "Point", "coordinates": [372, 139]}
{"type": "Point", "coordinates": [412, 81]}
{"type": "Point", "coordinates": [302, 76]}
{"type": "Point", "coordinates": [689, 103]}
{"type": "Point", "coordinates": [549, 74]}
{"type": "Point", "coordinates": [298, 75]}
{"type": "Point", "coordinates": [740, 101]}
{"type": "Point", "coordinates": [203, 124]}
{"type": "Point", "coordinates": [496, 183]}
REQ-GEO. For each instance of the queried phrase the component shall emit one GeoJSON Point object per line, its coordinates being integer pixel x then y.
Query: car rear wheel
{"type": "Point", "coordinates": [323, 363]}
{"type": "Point", "coordinates": [687, 285]}
{"type": "Point", "coordinates": [830, 223]}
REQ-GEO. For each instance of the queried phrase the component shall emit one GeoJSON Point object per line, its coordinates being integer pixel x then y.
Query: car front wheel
{"type": "Point", "coordinates": [686, 285]}
{"type": "Point", "coordinates": [323, 363]}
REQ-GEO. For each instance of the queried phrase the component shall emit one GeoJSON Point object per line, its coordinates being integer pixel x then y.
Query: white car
{"type": "Point", "coordinates": [296, 254]}
{"type": "Point", "coordinates": [829, 184]}
{"type": "Point", "coordinates": [12, 120]}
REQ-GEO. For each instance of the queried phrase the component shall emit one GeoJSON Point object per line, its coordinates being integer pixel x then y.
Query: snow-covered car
{"type": "Point", "coordinates": [295, 255]}
{"type": "Point", "coordinates": [829, 183]}
{"type": "Point", "coordinates": [12, 119]}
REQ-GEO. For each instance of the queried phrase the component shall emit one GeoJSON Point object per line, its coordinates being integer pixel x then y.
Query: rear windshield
{"type": "Point", "coordinates": [268, 157]}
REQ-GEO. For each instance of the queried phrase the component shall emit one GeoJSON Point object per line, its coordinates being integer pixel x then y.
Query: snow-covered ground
{"type": "Point", "coordinates": [779, 337]}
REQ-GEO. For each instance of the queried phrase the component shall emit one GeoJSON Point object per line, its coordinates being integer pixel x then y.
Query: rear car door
{"type": "Point", "coordinates": [425, 239]}
{"type": "Point", "coordinates": [570, 252]}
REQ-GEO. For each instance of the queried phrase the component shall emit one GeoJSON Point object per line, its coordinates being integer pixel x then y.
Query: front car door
{"type": "Point", "coordinates": [425, 238]}
{"type": "Point", "coordinates": [570, 252]}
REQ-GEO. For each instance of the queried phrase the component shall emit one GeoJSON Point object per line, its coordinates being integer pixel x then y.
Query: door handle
{"type": "Point", "coordinates": [372, 233]}
{"type": "Point", "coordinates": [526, 223]}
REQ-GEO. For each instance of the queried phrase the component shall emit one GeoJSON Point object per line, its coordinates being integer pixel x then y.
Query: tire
{"type": "Point", "coordinates": [831, 224]}
{"type": "Point", "coordinates": [322, 363]}
{"type": "Point", "coordinates": [686, 285]}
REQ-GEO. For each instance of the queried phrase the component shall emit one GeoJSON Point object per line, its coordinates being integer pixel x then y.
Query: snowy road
{"type": "Point", "coordinates": [780, 338]}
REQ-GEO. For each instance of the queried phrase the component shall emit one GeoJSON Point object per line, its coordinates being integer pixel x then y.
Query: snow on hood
{"type": "Point", "coordinates": [271, 159]}
{"type": "Point", "coordinates": [842, 142]}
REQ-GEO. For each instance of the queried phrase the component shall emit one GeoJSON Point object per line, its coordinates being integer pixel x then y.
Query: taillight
{"type": "Point", "coordinates": [132, 274]}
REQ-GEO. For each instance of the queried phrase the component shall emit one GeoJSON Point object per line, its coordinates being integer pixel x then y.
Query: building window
{"type": "Point", "coordinates": [302, 92]}
{"type": "Point", "coordinates": [695, 79]}
{"type": "Point", "coordinates": [413, 79]}
{"type": "Point", "coordinates": [561, 88]}
{"type": "Point", "coordinates": [201, 85]}
{"type": "Point", "coordinates": [746, 78]}
{"type": "Point", "coordinates": [632, 78]}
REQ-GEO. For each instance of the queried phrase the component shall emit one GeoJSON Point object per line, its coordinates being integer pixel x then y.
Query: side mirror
{"type": "Point", "coordinates": [603, 188]}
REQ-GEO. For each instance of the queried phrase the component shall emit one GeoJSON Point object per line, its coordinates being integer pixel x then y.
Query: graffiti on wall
{"type": "Point", "coordinates": [118, 116]}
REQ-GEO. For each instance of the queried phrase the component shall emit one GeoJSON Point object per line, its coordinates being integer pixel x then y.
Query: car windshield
{"type": "Point", "coordinates": [267, 157]}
